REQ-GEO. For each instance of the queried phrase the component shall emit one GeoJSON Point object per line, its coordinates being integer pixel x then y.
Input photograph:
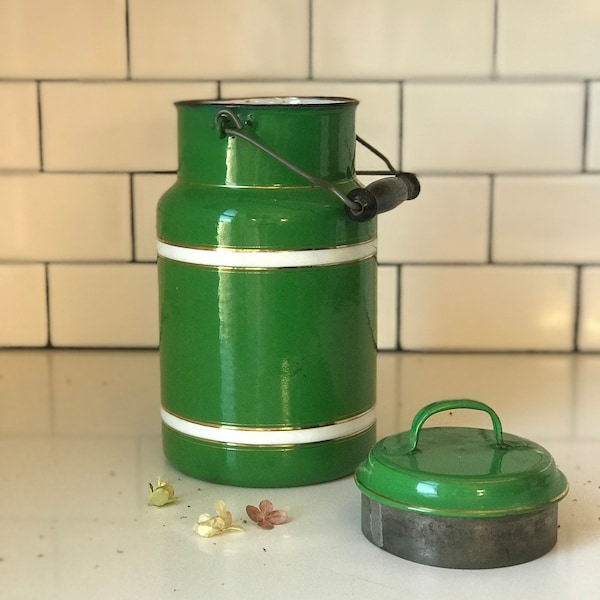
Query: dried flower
{"type": "Point", "coordinates": [265, 516]}
{"type": "Point", "coordinates": [160, 495]}
{"type": "Point", "coordinates": [208, 525]}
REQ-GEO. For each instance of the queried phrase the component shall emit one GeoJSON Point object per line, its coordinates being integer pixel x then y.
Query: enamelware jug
{"type": "Point", "coordinates": [267, 282]}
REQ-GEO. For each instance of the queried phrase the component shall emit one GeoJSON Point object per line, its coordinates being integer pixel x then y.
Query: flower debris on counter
{"type": "Point", "coordinates": [222, 522]}
{"type": "Point", "coordinates": [264, 516]}
{"type": "Point", "coordinates": [160, 495]}
{"type": "Point", "coordinates": [207, 525]}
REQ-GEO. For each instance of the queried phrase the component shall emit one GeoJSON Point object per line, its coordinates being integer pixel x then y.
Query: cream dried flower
{"type": "Point", "coordinates": [209, 525]}
{"type": "Point", "coordinates": [160, 495]}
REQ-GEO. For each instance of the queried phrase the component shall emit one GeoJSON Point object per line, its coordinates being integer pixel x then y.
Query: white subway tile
{"type": "Point", "coordinates": [25, 383]}
{"type": "Point", "coordinates": [402, 38]}
{"type": "Point", "coordinates": [389, 368]}
{"type": "Point", "coordinates": [19, 129]}
{"type": "Point", "coordinates": [114, 126]}
{"type": "Point", "coordinates": [547, 219]}
{"type": "Point", "coordinates": [447, 222]}
{"type": "Point", "coordinates": [53, 217]}
{"type": "Point", "coordinates": [377, 115]}
{"type": "Point", "coordinates": [62, 39]}
{"type": "Point", "coordinates": [121, 388]}
{"type": "Point", "coordinates": [387, 308]}
{"type": "Point", "coordinates": [518, 387]}
{"type": "Point", "coordinates": [548, 37]}
{"type": "Point", "coordinates": [586, 407]}
{"type": "Point", "coordinates": [487, 308]}
{"type": "Point", "coordinates": [23, 320]}
{"type": "Point", "coordinates": [103, 305]}
{"type": "Point", "coordinates": [147, 190]}
{"type": "Point", "coordinates": [593, 128]}
{"type": "Point", "coordinates": [493, 127]}
{"type": "Point", "coordinates": [589, 320]}
{"type": "Point", "coordinates": [219, 40]}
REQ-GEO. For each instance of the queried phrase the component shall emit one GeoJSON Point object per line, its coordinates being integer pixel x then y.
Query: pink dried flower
{"type": "Point", "coordinates": [265, 516]}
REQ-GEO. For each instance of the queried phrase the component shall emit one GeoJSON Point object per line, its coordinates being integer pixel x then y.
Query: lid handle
{"type": "Point", "coordinates": [442, 405]}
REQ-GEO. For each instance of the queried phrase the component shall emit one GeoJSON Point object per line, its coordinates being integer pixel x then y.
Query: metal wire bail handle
{"type": "Point", "coordinates": [358, 204]}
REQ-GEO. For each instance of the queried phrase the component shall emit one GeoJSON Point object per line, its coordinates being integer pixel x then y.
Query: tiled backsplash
{"type": "Point", "coordinates": [494, 103]}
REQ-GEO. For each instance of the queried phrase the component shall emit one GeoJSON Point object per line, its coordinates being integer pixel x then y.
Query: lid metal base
{"type": "Point", "coordinates": [460, 542]}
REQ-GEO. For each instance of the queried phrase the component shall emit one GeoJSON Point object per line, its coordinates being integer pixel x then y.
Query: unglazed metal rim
{"type": "Point", "coordinates": [449, 542]}
{"type": "Point", "coordinates": [266, 259]}
{"type": "Point", "coordinates": [270, 437]}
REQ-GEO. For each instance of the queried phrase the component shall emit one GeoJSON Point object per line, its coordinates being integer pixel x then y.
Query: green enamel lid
{"type": "Point", "coordinates": [460, 471]}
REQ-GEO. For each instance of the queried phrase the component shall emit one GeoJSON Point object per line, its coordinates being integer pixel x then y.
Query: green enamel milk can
{"type": "Point", "coordinates": [267, 292]}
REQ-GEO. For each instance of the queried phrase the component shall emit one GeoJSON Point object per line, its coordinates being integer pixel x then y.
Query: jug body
{"type": "Point", "coordinates": [267, 298]}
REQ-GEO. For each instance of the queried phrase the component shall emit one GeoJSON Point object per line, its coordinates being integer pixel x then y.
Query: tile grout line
{"type": "Point", "coordinates": [490, 240]}
{"type": "Point", "coordinates": [38, 84]}
{"type": "Point", "coordinates": [439, 351]}
{"type": "Point", "coordinates": [310, 39]}
{"type": "Point", "coordinates": [471, 263]}
{"type": "Point", "coordinates": [132, 218]}
{"type": "Point", "coordinates": [47, 290]}
{"type": "Point", "coordinates": [428, 80]}
{"type": "Point", "coordinates": [398, 306]}
{"type": "Point", "coordinates": [586, 117]}
{"type": "Point", "coordinates": [494, 73]}
{"type": "Point", "coordinates": [423, 173]}
{"type": "Point", "coordinates": [127, 42]}
{"type": "Point", "coordinates": [401, 126]}
{"type": "Point", "coordinates": [577, 307]}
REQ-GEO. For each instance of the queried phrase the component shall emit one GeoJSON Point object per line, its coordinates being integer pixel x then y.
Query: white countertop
{"type": "Point", "coordinates": [80, 440]}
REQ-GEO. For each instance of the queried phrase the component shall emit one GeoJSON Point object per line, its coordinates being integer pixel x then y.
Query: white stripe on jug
{"type": "Point", "coordinates": [273, 437]}
{"type": "Point", "coordinates": [267, 259]}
